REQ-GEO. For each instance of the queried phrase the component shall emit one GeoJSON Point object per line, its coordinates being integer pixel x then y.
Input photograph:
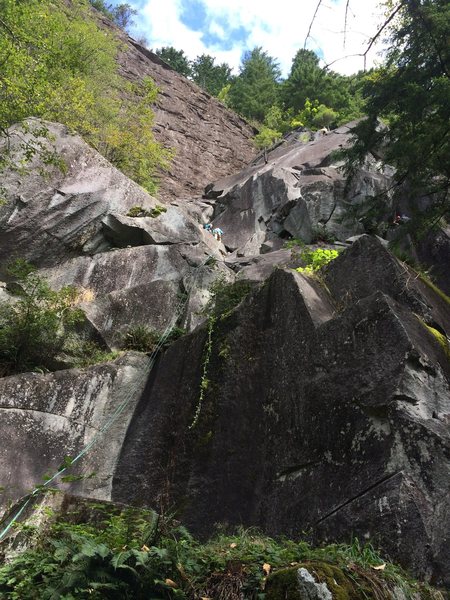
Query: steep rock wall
{"type": "Point", "coordinates": [210, 141]}
{"type": "Point", "coordinates": [319, 415]}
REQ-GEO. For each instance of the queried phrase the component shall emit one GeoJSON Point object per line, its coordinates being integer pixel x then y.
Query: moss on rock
{"type": "Point", "coordinates": [283, 584]}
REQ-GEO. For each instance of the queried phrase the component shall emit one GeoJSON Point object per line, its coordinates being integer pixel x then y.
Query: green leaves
{"type": "Point", "coordinates": [255, 90]}
{"type": "Point", "coordinates": [410, 93]}
{"type": "Point", "coordinates": [316, 259]}
{"type": "Point", "coordinates": [33, 327]}
{"type": "Point", "coordinates": [58, 65]}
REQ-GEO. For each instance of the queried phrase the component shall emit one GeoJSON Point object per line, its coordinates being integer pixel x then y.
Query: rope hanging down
{"type": "Point", "coordinates": [112, 419]}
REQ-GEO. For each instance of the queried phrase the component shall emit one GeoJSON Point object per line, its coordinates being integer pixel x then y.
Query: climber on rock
{"type": "Point", "coordinates": [218, 233]}
{"type": "Point", "coordinates": [208, 227]}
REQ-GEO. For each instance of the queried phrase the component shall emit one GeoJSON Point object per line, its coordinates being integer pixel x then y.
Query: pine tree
{"type": "Point", "coordinates": [255, 90]}
{"type": "Point", "coordinates": [211, 77]}
{"type": "Point", "coordinates": [176, 59]}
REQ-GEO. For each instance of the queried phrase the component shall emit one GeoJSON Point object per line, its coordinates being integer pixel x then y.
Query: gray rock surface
{"type": "Point", "coordinates": [300, 192]}
{"type": "Point", "coordinates": [74, 225]}
{"type": "Point", "coordinates": [318, 416]}
{"type": "Point", "coordinates": [309, 589]}
{"type": "Point", "coordinates": [45, 418]}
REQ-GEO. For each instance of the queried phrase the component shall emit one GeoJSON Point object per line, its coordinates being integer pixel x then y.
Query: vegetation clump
{"type": "Point", "coordinates": [33, 327]}
{"type": "Point", "coordinates": [39, 326]}
{"type": "Point", "coordinates": [316, 259]}
{"type": "Point", "coordinates": [144, 339]}
{"type": "Point", "coordinates": [58, 65]}
{"type": "Point", "coordinates": [136, 554]}
{"type": "Point", "coordinates": [226, 296]}
{"type": "Point", "coordinates": [138, 211]}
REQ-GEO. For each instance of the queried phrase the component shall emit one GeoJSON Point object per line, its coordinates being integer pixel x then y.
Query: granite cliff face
{"type": "Point", "coordinates": [209, 140]}
{"type": "Point", "coordinates": [327, 406]}
{"type": "Point", "coordinates": [328, 410]}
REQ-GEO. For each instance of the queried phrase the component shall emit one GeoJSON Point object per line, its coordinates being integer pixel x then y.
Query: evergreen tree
{"type": "Point", "coordinates": [306, 80]}
{"type": "Point", "coordinates": [411, 94]}
{"type": "Point", "coordinates": [177, 59]}
{"type": "Point", "coordinates": [255, 90]}
{"type": "Point", "coordinates": [211, 77]}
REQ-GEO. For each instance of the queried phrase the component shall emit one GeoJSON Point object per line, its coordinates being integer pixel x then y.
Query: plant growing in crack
{"type": "Point", "coordinates": [204, 382]}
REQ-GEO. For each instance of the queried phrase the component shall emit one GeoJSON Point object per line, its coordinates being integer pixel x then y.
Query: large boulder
{"type": "Point", "coordinates": [51, 213]}
{"type": "Point", "coordinates": [317, 416]}
{"type": "Point", "coordinates": [300, 192]}
{"type": "Point", "coordinates": [75, 225]}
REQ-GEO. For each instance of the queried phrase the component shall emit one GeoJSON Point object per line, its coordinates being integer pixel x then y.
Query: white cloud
{"type": "Point", "coordinates": [279, 26]}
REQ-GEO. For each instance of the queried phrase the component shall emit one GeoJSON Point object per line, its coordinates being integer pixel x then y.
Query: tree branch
{"type": "Point", "coordinates": [311, 24]}
{"type": "Point", "coordinates": [345, 21]}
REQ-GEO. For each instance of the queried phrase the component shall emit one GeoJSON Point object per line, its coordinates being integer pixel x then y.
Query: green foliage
{"type": "Point", "coordinates": [316, 259]}
{"type": "Point", "coordinates": [144, 339]}
{"type": "Point", "coordinates": [324, 116]}
{"type": "Point", "coordinates": [58, 65]}
{"type": "Point", "coordinates": [204, 382]}
{"type": "Point", "coordinates": [226, 296]}
{"type": "Point", "coordinates": [121, 14]}
{"type": "Point", "coordinates": [314, 115]}
{"type": "Point", "coordinates": [305, 80]}
{"type": "Point", "coordinates": [211, 77]}
{"type": "Point", "coordinates": [138, 211]}
{"type": "Point", "coordinates": [176, 59]}
{"type": "Point", "coordinates": [82, 353]}
{"type": "Point", "coordinates": [266, 137]}
{"type": "Point", "coordinates": [275, 124]}
{"type": "Point", "coordinates": [255, 90]}
{"type": "Point", "coordinates": [34, 326]}
{"type": "Point", "coordinates": [440, 338]}
{"type": "Point", "coordinates": [339, 97]}
{"type": "Point", "coordinates": [134, 554]}
{"type": "Point", "coordinates": [128, 141]}
{"type": "Point", "coordinates": [140, 338]}
{"type": "Point", "coordinates": [157, 210]}
{"type": "Point", "coordinates": [410, 92]}
{"type": "Point", "coordinates": [224, 94]}
{"type": "Point", "coordinates": [294, 243]}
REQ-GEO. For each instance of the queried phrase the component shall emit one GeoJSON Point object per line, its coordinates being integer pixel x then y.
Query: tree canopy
{"type": "Point", "coordinates": [211, 77]}
{"type": "Point", "coordinates": [122, 14]}
{"type": "Point", "coordinates": [410, 93]}
{"type": "Point", "coordinates": [255, 90]}
{"type": "Point", "coordinates": [177, 59]}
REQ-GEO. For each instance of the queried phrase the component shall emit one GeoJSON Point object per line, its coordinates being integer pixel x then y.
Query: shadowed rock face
{"type": "Point", "coordinates": [317, 416]}
{"type": "Point", "coordinates": [44, 418]}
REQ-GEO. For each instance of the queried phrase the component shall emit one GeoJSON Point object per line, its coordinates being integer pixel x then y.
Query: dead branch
{"type": "Point", "coordinates": [345, 21]}
{"type": "Point", "coordinates": [312, 22]}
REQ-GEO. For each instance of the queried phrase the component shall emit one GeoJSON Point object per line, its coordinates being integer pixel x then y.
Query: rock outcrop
{"type": "Point", "coordinates": [209, 140]}
{"type": "Point", "coordinates": [323, 412]}
{"type": "Point", "coordinates": [299, 191]}
{"type": "Point", "coordinates": [326, 401]}
{"type": "Point", "coordinates": [74, 225]}
{"type": "Point", "coordinates": [45, 418]}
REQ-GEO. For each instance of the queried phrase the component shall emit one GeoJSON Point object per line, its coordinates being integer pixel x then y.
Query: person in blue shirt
{"type": "Point", "coordinates": [208, 227]}
{"type": "Point", "coordinates": [218, 233]}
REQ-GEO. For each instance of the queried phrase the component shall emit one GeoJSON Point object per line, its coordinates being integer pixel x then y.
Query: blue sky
{"type": "Point", "coordinates": [227, 28]}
